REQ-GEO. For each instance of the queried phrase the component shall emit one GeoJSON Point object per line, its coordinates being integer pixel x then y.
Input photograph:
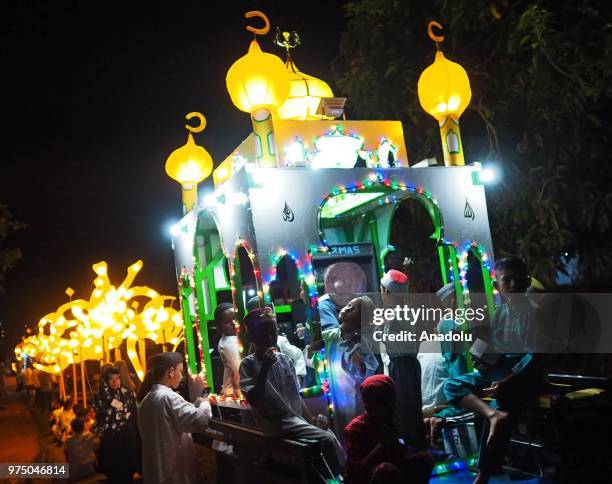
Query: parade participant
{"type": "Point", "coordinates": [375, 451]}
{"type": "Point", "coordinates": [295, 355]}
{"type": "Point", "coordinates": [343, 281]}
{"type": "Point", "coordinates": [166, 421]}
{"type": "Point", "coordinates": [28, 382]}
{"type": "Point", "coordinates": [439, 361]}
{"type": "Point", "coordinates": [80, 451]}
{"type": "Point", "coordinates": [283, 345]}
{"type": "Point", "coordinates": [126, 378]}
{"type": "Point", "coordinates": [349, 361]}
{"type": "Point", "coordinates": [116, 426]}
{"type": "Point", "coordinates": [404, 367]}
{"type": "Point", "coordinates": [269, 382]}
{"type": "Point", "coordinates": [228, 348]}
{"type": "Point", "coordinates": [45, 391]}
{"type": "Point", "coordinates": [103, 368]}
{"type": "Point", "coordinates": [514, 379]}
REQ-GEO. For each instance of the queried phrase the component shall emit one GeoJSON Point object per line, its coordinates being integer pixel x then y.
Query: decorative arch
{"type": "Point", "coordinates": [394, 192]}
{"type": "Point", "coordinates": [305, 274]}
{"type": "Point", "coordinates": [236, 284]}
{"type": "Point", "coordinates": [488, 274]}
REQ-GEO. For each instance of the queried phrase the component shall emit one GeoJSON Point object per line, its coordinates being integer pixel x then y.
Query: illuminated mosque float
{"type": "Point", "coordinates": [308, 188]}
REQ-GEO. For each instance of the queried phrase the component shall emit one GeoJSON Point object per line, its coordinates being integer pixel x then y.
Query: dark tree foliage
{"type": "Point", "coordinates": [8, 256]}
{"type": "Point", "coordinates": [540, 73]}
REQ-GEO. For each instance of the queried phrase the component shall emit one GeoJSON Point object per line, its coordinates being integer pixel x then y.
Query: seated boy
{"type": "Point", "coordinates": [269, 382]}
{"type": "Point", "coordinates": [80, 451]}
{"type": "Point", "coordinates": [514, 379]}
{"type": "Point", "coordinates": [284, 345]}
{"type": "Point", "coordinates": [375, 452]}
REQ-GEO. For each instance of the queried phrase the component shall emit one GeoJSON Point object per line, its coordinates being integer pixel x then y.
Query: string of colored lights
{"type": "Point", "coordinates": [488, 276]}
{"type": "Point", "coordinates": [256, 273]}
{"type": "Point", "coordinates": [189, 277]}
{"type": "Point", "coordinates": [305, 274]}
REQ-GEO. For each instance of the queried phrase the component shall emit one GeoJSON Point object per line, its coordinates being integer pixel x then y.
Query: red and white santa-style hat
{"type": "Point", "coordinates": [395, 282]}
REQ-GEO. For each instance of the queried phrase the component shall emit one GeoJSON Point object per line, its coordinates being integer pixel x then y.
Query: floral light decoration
{"type": "Point", "coordinates": [87, 329]}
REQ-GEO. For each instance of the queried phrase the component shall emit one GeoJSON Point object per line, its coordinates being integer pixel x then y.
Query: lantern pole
{"type": "Point", "coordinates": [452, 147]}
{"type": "Point", "coordinates": [83, 385]}
{"type": "Point", "coordinates": [62, 388]}
{"type": "Point", "coordinates": [75, 394]}
{"type": "Point", "coordinates": [263, 130]}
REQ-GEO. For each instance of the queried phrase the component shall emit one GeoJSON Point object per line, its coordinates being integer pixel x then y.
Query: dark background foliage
{"type": "Point", "coordinates": [540, 74]}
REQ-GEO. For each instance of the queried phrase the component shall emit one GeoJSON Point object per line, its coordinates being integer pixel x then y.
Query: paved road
{"type": "Point", "coordinates": [18, 433]}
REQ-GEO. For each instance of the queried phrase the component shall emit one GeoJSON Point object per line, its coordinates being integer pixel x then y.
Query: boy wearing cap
{"type": "Point", "coordinates": [375, 451]}
{"type": "Point", "coordinates": [269, 382]}
{"type": "Point", "coordinates": [404, 367]}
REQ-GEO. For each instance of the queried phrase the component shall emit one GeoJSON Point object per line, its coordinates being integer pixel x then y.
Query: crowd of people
{"type": "Point", "coordinates": [130, 429]}
{"type": "Point", "coordinates": [387, 438]}
{"type": "Point", "coordinates": [386, 402]}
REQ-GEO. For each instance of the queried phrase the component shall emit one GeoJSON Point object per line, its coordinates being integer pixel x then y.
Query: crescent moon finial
{"type": "Point", "coordinates": [256, 13]}
{"type": "Point", "coordinates": [200, 127]}
{"type": "Point", "coordinates": [432, 36]}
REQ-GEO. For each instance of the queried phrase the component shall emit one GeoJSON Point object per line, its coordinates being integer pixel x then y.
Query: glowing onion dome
{"type": "Point", "coordinates": [190, 164]}
{"type": "Point", "coordinates": [258, 79]}
{"type": "Point", "coordinates": [444, 87]}
{"type": "Point", "coordinates": [304, 95]}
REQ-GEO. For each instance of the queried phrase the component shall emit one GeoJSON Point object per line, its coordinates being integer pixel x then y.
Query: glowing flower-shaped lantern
{"type": "Point", "coordinates": [258, 84]}
{"type": "Point", "coordinates": [305, 91]}
{"type": "Point", "coordinates": [190, 164]}
{"type": "Point", "coordinates": [444, 93]}
{"type": "Point", "coordinates": [88, 329]}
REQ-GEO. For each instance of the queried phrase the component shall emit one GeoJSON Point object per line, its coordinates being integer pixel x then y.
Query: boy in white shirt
{"type": "Point", "coordinates": [228, 349]}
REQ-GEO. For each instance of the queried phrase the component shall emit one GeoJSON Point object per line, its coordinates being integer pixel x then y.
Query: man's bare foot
{"type": "Point", "coordinates": [481, 478]}
{"type": "Point", "coordinates": [499, 423]}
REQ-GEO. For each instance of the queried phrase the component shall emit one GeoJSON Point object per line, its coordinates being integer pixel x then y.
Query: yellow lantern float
{"type": "Point", "coordinates": [444, 93]}
{"type": "Point", "coordinates": [190, 164]}
{"type": "Point", "coordinates": [258, 83]}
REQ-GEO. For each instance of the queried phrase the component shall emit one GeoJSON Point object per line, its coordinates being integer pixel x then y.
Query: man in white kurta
{"type": "Point", "coordinates": [166, 421]}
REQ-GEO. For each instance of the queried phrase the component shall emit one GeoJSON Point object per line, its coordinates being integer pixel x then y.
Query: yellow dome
{"type": "Point", "coordinates": [189, 164]}
{"type": "Point", "coordinates": [444, 88]}
{"type": "Point", "coordinates": [304, 95]}
{"type": "Point", "coordinates": [257, 80]}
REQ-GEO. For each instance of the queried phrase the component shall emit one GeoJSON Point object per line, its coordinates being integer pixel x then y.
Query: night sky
{"type": "Point", "coordinates": [94, 99]}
